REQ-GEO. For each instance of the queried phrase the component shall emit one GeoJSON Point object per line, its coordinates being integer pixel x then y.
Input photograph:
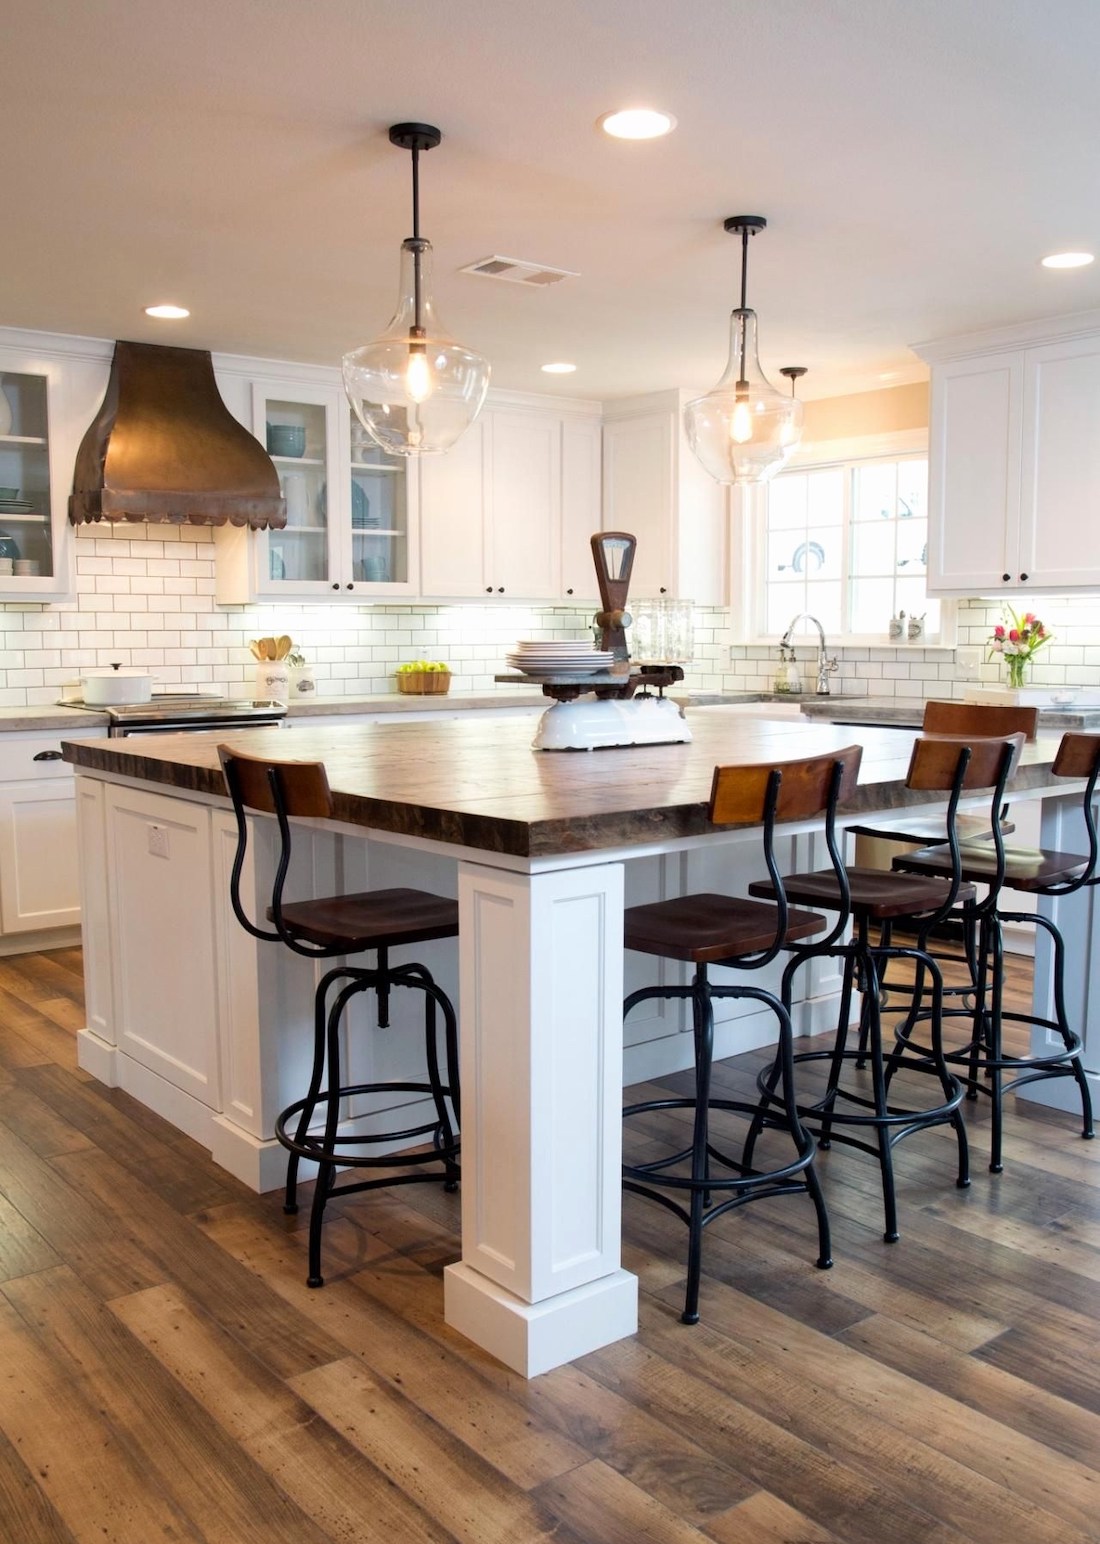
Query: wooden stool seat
{"type": "Point", "coordinates": [374, 919]}
{"type": "Point", "coordinates": [972, 827]}
{"type": "Point", "coordinates": [706, 928]}
{"type": "Point", "coordinates": [1025, 868]}
{"type": "Point", "coordinates": [875, 893]}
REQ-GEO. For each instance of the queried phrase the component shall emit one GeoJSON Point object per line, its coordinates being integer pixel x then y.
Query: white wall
{"type": "Point", "coordinates": [145, 596]}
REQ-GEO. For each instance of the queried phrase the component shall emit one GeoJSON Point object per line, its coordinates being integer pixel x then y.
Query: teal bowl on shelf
{"type": "Point", "coordinates": [286, 440]}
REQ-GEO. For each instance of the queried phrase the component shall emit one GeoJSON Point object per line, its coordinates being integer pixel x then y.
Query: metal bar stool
{"type": "Point", "coordinates": [1036, 871]}
{"type": "Point", "coordinates": [849, 1112]}
{"type": "Point", "coordinates": [725, 930]}
{"type": "Point", "coordinates": [341, 925]}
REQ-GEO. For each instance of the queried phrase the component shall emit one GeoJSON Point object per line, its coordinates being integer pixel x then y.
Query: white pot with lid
{"type": "Point", "coordinates": [112, 687]}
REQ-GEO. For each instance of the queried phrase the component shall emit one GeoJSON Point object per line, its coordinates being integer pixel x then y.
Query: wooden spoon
{"type": "Point", "coordinates": [254, 646]}
{"type": "Point", "coordinates": [283, 646]}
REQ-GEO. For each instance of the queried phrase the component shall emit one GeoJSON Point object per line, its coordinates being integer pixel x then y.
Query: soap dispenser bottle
{"type": "Point", "coordinates": [787, 678]}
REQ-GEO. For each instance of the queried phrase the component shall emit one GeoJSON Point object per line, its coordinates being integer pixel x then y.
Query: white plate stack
{"type": "Point", "coordinates": [543, 661]}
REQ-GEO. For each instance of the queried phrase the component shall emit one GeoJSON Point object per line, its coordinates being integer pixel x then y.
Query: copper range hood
{"type": "Point", "coordinates": [164, 447]}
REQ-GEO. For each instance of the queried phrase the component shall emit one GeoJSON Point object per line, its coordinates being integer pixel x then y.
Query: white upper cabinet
{"type": "Point", "coordinates": [581, 508]}
{"type": "Point", "coordinates": [523, 508]}
{"type": "Point", "coordinates": [48, 396]}
{"type": "Point", "coordinates": [502, 514]}
{"type": "Point", "coordinates": [1014, 461]}
{"type": "Point", "coordinates": [654, 488]}
{"type": "Point", "coordinates": [452, 496]}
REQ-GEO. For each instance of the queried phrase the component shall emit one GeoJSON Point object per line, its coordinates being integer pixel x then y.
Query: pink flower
{"type": "Point", "coordinates": [998, 631]}
{"type": "Point", "coordinates": [1014, 635]}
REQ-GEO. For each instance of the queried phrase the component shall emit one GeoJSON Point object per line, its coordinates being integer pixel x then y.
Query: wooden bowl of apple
{"type": "Point", "coordinates": [424, 678]}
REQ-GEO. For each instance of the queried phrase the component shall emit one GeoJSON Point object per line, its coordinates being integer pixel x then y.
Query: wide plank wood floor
{"type": "Point", "coordinates": [166, 1375]}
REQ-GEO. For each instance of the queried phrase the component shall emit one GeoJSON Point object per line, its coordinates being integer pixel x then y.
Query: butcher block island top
{"type": "Point", "coordinates": [481, 786]}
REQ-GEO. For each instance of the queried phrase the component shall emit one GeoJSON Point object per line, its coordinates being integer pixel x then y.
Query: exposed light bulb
{"type": "Point", "coordinates": [741, 421]}
{"type": "Point", "coordinates": [419, 382]}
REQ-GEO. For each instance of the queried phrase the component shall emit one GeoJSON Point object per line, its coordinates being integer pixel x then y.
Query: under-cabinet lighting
{"type": "Point", "coordinates": [167, 313]}
{"type": "Point", "coordinates": [559, 367]}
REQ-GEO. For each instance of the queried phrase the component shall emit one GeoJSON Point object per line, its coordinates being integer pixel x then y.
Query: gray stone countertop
{"type": "Point", "coordinates": [524, 696]}
{"type": "Point", "coordinates": [908, 714]}
{"type": "Point", "coordinates": [50, 716]}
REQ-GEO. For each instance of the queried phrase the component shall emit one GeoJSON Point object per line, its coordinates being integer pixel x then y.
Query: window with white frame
{"type": "Point", "coordinates": [848, 542]}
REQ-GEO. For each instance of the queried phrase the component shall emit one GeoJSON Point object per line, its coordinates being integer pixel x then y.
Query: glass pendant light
{"type": "Point", "coordinates": [744, 429]}
{"type": "Point", "coordinates": [415, 390]}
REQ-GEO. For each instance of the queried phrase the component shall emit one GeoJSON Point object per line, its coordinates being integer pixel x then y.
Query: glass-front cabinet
{"type": "Point", "coordinates": [347, 533]}
{"type": "Point", "coordinates": [30, 520]}
{"type": "Point", "coordinates": [379, 511]}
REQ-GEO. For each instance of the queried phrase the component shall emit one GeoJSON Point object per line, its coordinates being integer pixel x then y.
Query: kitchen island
{"type": "Point", "coordinates": [213, 1029]}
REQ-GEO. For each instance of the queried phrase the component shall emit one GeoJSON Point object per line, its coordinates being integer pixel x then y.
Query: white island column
{"type": "Point", "coordinates": [541, 965]}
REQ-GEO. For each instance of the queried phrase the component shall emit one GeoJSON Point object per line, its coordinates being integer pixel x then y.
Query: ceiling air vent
{"type": "Point", "coordinates": [516, 271]}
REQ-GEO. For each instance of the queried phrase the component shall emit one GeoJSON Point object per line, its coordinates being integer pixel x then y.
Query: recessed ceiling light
{"type": "Point", "coordinates": [1068, 260]}
{"type": "Point", "coordinates": [637, 123]}
{"type": "Point", "coordinates": [559, 367]}
{"type": "Point", "coordinates": [167, 313]}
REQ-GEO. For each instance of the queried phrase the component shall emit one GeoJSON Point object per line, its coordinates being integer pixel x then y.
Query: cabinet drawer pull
{"type": "Point", "coordinates": [48, 756]}
{"type": "Point", "coordinates": [335, 584]}
{"type": "Point", "coordinates": [1023, 576]}
{"type": "Point", "coordinates": [1006, 577]}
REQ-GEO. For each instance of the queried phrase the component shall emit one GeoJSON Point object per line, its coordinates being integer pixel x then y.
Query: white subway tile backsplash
{"type": "Point", "coordinates": [145, 597]}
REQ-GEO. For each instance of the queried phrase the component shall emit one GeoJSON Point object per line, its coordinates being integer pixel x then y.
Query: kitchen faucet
{"type": "Point", "coordinates": [825, 666]}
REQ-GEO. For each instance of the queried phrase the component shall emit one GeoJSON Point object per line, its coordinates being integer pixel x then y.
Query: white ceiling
{"type": "Point", "coordinates": [914, 158]}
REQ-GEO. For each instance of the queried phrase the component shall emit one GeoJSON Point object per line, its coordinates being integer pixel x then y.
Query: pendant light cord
{"type": "Point", "coordinates": [418, 330]}
{"type": "Point", "coordinates": [745, 233]}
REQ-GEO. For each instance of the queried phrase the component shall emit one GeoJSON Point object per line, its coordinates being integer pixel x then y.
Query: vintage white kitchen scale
{"type": "Point", "coordinates": [619, 705]}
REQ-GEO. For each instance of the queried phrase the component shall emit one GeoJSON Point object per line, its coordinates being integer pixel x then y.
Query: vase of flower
{"type": "Point", "coordinates": [1015, 642]}
{"type": "Point", "coordinates": [1017, 667]}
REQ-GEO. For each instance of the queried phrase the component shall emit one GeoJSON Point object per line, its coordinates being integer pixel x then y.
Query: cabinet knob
{"type": "Point", "coordinates": [1006, 577]}
{"type": "Point", "coordinates": [569, 591]}
{"type": "Point", "coordinates": [349, 587]}
{"type": "Point", "coordinates": [663, 590]}
{"type": "Point", "coordinates": [1023, 576]}
{"type": "Point", "coordinates": [335, 585]}
{"type": "Point", "coordinates": [488, 589]}
{"type": "Point", "coordinates": [500, 589]}
{"type": "Point", "coordinates": [47, 756]}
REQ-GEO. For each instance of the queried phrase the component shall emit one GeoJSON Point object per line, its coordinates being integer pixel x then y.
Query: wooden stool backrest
{"type": "Point", "coordinates": [934, 764]}
{"type": "Point", "coordinates": [284, 789]}
{"type": "Point", "coordinates": [739, 795]}
{"type": "Point", "coordinates": [303, 785]}
{"type": "Point", "coordinates": [1078, 755]}
{"type": "Point", "coordinates": [985, 720]}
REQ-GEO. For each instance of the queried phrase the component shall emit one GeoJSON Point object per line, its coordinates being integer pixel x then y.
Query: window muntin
{"type": "Point", "coordinates": [849, 544]}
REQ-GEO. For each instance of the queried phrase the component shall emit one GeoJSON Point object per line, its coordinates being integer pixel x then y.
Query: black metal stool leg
{"type": "Point", "coordinates": [1069, 1039]}
{"type": "Point", "coordinates": [326, 1167]}
{"type": "Point", "coordinates": [840, 1044]}
{"type": "Point", "coordinates": [703, 1028]}
{"type": "Point", "coordinates": [320, 999]}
